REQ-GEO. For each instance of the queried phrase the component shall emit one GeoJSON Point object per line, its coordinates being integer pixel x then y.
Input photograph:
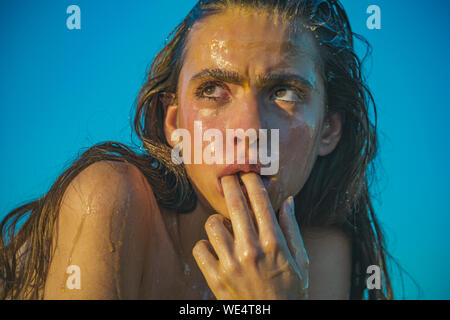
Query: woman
{"type": "Point", "coordinates": [118, 224]}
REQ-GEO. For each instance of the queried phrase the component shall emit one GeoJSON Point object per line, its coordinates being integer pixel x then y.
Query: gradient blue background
{"type": "Point", "coordinates": [63, 90]}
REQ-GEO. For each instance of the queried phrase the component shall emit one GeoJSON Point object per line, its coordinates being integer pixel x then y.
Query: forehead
{"type": "Point", "coordinates": [237, 39]}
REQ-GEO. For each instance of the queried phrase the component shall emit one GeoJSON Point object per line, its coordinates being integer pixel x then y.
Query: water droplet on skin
{"type": "Point", "coordinates": [120, 242]}
{"type": "Point", "coordinates": [75, 241]}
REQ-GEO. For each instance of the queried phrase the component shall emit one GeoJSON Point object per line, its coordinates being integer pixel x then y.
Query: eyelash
{"type": "Point", "coordinates": [199, 91]}
{"type": "Point", "coordinates": [300, 93]}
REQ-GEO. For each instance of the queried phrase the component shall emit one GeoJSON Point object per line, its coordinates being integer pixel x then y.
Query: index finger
{"type": "Point", "coordinates": [261, 205]}
{"type": "Point", "coordinates": [243, 226]}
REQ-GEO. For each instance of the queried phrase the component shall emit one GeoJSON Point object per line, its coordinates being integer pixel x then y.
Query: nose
{"type": "Point", "coordinates": [246, 113]}
{"type": "Point", "coordinates": [245, 120]}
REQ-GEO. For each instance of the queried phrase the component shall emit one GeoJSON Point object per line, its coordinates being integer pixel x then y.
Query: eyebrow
{"type": "Point", "coordinates": [263, 80]}
{"type": "Point", "coordinates": [219, 74]}
{"type": "Point", "coordinates": [270, 79]}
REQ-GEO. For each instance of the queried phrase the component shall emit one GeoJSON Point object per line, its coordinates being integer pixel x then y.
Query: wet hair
{"type": "Point", "coordinates": [335, 194]}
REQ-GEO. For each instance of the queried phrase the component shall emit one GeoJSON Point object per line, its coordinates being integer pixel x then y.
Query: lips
{"type": "Point", "coordinates": [244, 168]}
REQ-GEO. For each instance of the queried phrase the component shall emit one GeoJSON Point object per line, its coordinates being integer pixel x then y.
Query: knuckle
{"type": "Point", "coordinates": [271, 244]}
{"type": "Point", "coordinates": [261, 198]}
{"type": "Point", "coordinates": [221, 276]}
{"type": "Point", "coordinates": [250, 255]}
{"type": "Point", "coordinates": [236, 204]}
{"type": "Point", "coordinates": [231, 266]}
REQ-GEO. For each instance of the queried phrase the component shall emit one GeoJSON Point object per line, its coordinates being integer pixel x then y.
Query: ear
{"type": "Point", "coordinates": [170, 116]}
{"type": "Point", "coordinates": [331, 133]}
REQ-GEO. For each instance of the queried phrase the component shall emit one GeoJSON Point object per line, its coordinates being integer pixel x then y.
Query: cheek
{"type": "Point", "coordinates": [300, 138]}
{"type": "Point", "coordinates": [297, 156]}
{"type": "Point", "coordinates": [196, 120]}
{"type": "Point", "coordinates": [192, 110]}
{"type": "Point", "coordinates": [199, 123]}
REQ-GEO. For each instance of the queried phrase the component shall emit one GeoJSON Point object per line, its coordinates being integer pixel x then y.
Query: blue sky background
{"type": "Point", "coordinates": [63, 90]}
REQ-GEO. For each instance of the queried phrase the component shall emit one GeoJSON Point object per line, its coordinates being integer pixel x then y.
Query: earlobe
{"type": "Point", "coordinates": [170, 120]}
{"type": "Point", "coordinates": [331, 134]}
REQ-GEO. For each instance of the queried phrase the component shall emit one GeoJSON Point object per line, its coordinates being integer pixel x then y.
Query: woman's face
{"type": "Point", "coordinates": [247, 71]}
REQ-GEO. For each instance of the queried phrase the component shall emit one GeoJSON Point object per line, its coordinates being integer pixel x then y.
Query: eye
{"type": "Point", "coordinates": [285, 94]}
{"type": "Point", "coordinates": [211, 91]}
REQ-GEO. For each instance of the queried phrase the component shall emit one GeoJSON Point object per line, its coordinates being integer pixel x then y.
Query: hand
{"type": "Point", "coordinates": [254, 257]}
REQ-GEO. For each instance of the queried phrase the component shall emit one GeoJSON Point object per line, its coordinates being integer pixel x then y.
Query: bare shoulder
{"type": "Point", "coordinates": [108, 183]}
{"type": "Point", "coordinates": [330, 254]}
{"type": "Point", "coordinates": [102, 234]}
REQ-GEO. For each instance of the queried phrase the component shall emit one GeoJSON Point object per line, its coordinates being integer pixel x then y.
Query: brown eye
{"type": "Point", "coordinates": [280, 93]}
{"type": "Point", "coordinates": [209, 90]}
{"type": "Point", "coordinates": [288, 95]}
{"type": "Point", "coordinates": [213, 91]}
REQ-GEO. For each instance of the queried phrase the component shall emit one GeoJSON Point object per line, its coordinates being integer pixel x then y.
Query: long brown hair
{"type": "Point", "coordinates": [336, 193]}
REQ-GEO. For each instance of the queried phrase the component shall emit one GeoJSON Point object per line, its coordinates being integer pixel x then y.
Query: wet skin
{"type": "Point", "coordinates": [261, 78]}
{"type": "Point", "coordinates": [247, 252]}
{"type": "Point", "coordinates": [296, 108]}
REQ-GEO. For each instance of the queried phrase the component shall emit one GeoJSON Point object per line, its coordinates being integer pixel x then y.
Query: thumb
{"type": "Point", "coordinates": [291, 231]}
